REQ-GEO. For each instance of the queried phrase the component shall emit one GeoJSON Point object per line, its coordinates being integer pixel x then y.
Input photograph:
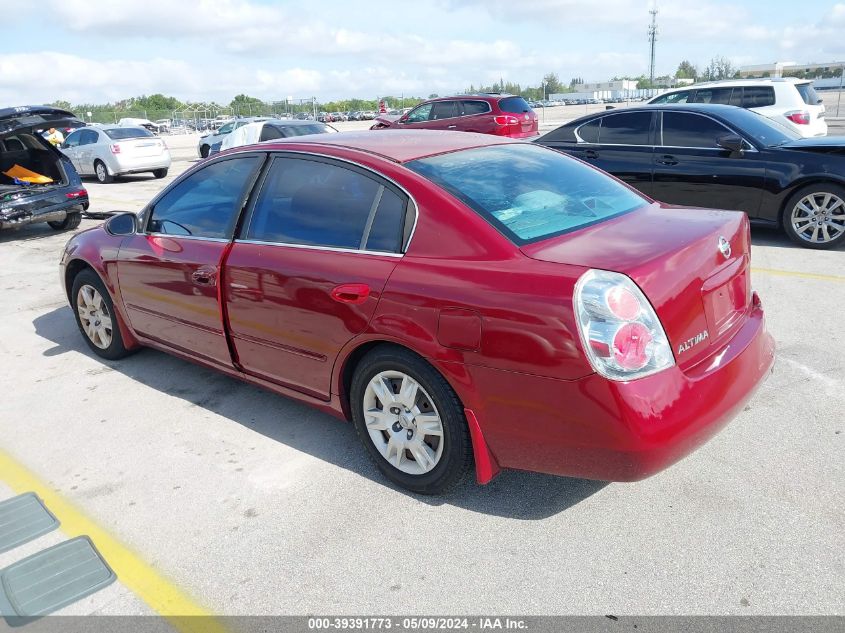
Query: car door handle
{"type": "Point", "coordinates": [451, 127]}
{"type": "Point", "coordinates": [205, 276]}
{"type": "Point", "coordinates": [351, 293]}
{"type": "Point", "coordinates": [667, 160]}
{"type": "Point", "coordinates": [591, 153]}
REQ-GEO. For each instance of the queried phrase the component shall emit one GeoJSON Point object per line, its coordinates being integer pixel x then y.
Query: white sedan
{"type": "Point", "coordinates": [109, 151]}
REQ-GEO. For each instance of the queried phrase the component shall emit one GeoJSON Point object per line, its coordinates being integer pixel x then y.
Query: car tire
{"type": "Point", "coordinates": [160, 173]}
{"type": "Point", "coordinates": [418, 435]}
{"type": "Point", "coordinates": [814, 216]}
{"type": "Point", "coordinates": [101, 172]}
{"type": "Point", "coordinates": [204, 149]}
{"type": "Point", "coordinates": [71, 221]}
{"type": "Point", "coordinates": [92, 307]}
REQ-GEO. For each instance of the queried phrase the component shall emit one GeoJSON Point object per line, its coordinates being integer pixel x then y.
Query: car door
{"type": "Point", "coordinates": [169, 272]}
{"type": "Point", "coordinates": [87, 151]}
{"type": "Point", "coordinates": [70, 148]}
{"type": "Point", "coordinates": [690, 168]}
{"type": "Point", "coordinates": [444, 116]}
{"type": "Point", "coordinates": [319, 244]}
{"type": "Point", "coordinates": [624, 148]}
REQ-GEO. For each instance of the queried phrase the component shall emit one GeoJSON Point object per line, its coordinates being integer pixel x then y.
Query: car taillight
{"type": "Point", "coordinates": [505, 119]}
{"type": "Point", "coordinates": [620, 331]}
{"type": "Point", "coordinates": [115, 148]}
{"type": "Point", "coordinates": [79, 193]}
{"type": "Point", "coordinates": [800, 117]}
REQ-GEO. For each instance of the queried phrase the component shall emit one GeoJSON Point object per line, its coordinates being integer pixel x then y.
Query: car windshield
{"type": "Point", "coordinates": [514, 104]}
{"type": "Point", "coordinates": [527, 192]}
{"type": "Point", "coordinates": [120, 133]}
{"type": "Point", "coordinates": [762, 129]}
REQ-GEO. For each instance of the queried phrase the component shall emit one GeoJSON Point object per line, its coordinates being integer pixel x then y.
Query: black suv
{"type": "Point", "coordinates": [37, 182]}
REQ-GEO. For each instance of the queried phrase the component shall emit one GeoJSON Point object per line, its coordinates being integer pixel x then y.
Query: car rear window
{"type": "Point", "coordinates": [808, 93]}
{"type": "Point", "coordinates": [537, 193]}
{"type": "Point", "coordinates": [127, 132]}
{"type": "Point", "coordinates": [514, 104]}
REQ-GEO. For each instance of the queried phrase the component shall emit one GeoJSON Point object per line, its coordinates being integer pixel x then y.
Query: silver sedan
{"type": "Point", "coordinates": [109, 151]}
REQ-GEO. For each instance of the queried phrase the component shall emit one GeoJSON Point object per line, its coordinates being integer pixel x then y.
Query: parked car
{"type": "Point", "coordinates": [57, 196]}
{"type": "Point", "coordinates": [499, 114]}
{"type": "Point", "coordinates": [719, 156]}
{"type": "Point", "coordinates": [789, 101]}
{"type": "Point", "coordinates": [211, 142]}
{"type": "Point", "coordinates": [163, 125]}
{"type": "Point", "coordinates": [273, 129]}
{"type": "Point", "coordinates": [144, 123]}
{"type": "Point", "coordinates": [390, 280]}
{"type": "Point", "coordinates": [113, 150]}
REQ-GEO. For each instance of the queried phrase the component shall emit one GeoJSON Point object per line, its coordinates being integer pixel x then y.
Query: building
{"type": "Point", "coordinates": [778, 69]}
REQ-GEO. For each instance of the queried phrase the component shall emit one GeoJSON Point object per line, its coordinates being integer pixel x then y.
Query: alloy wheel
{"type": "Point", "coordinates": [819, 217]}
{"type": "Point", "coordinates": [403, 423]}
{"type": "Point", "coordinates": [101, 172]}
{"type": "Point", "coordinates": [94, 316]}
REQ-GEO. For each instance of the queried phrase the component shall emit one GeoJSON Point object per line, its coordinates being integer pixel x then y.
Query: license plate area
{"type": "Point", "coordinates": [726, 296]}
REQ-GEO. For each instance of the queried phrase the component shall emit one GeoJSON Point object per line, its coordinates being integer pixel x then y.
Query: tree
{"type": "Point", "coordinates": [552, 83]}
{"type": "Point", "coordinates": [686, 70]}
{"type": "Point", "coordinates": [157, 102]}
{"type": "Point", "coordinates": [62, 105]}
{"type": "Point", "coordinates": [719, 68]}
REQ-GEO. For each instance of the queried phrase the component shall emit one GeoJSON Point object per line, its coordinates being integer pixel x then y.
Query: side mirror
{"type": "Point", "coordinates": [122, 224]}
{"type": "Point", "coordinates": [731, 142]}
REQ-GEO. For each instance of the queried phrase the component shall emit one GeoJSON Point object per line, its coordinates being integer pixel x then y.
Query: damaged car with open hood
{"type": "Point", "coordinates": [37, 182]}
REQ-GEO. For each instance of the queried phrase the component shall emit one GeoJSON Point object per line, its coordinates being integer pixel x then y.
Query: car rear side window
{"type": "Point", "coordinates": [589, 132]}
{"type": "Point", "coordinates": [475, 107]}
{"type": "Point", "coordinates": [537, 193]}
{"type": "Point", "coordinates": [318, 203]}
{"type": "Point", "coordinates": [758, 97]}
{"type": "Point", "coordinates": [682, 129]}
{"type": "Point", "coordinates": [630, 128]}
{"type": "Point", "coordinates": [808, 93]}
{"type": "Point", "coordinates": [713, 95]}
{"type": "Point", "coordinates": [88, 137]}
{"type": "Point", "coordinates": [514, 105]}
{"type": "Point", "coordinates": [206, 203]}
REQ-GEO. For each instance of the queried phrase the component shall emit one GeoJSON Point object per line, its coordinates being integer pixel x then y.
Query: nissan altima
{"type": "Point", "coordinates": [467, 301]}
{"type": "Point", "coordinates": [719, 156]}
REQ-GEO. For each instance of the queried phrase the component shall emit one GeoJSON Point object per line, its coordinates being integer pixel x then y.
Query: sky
{"type": "Point", "coordinates": [97, 51]}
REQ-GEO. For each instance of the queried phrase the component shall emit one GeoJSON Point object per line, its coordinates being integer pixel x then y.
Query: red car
{"type": "Point", "coordinates": [462, 299]}
{"type": "Point", "coordinates": [498, 114]}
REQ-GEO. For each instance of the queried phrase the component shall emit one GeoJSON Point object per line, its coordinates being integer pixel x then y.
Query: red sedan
{"type": "Point", "coordinates": [462, 299]}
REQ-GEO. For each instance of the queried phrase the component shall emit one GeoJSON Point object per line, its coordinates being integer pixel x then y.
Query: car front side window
{"type": "Point", "coordinates": [73, 139]}
{"type": "Point", "coordinates": [419, 114]}
{"type": "Point", "coordinates": [206, 203]}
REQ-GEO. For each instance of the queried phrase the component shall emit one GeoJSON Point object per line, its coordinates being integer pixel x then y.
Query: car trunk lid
{"type": "Point", "coordinates": [28, 118]}
{"type": "Point", "coordinates": [140, 147]}
{"type": "Point", "coordinates": [692, 264]}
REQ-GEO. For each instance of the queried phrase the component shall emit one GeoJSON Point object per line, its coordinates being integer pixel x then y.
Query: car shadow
{"type": "Point", "coordinates": [30, 232]}
{"type": "Point", "coordinates": [776, 238]}
{"type": "Point", "coordinates": [513, 494]}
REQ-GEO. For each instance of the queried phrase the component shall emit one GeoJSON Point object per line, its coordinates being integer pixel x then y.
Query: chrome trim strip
{"type": "Point", "coordinates": [334, 249]}
{"type": "Point", "coordinates": [196, 238]}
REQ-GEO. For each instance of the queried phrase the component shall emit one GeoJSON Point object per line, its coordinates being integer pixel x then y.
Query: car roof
{"type": "Point", "coordinates": [757, 81]}
{"type": "Point", "coordinates": [718, 109]}
{"type": "Point", "coordinates": [399, 146]}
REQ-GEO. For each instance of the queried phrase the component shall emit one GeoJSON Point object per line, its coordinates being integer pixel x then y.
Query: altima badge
{"type": "Point", "coordinates": [695, 340]}
{"type": "Point", "coordinates": [724, 247]}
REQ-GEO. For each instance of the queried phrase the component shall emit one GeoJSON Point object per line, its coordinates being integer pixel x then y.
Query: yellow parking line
{"type": "Point", "coordinates": [160, 594]}
{"type": "Point", "coordinates": [790, 273]}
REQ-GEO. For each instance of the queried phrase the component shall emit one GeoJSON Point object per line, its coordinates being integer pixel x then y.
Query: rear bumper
{"type": "Point", "coordinates": [16, 218]}
{"type": "Point", "coordinates": [125, 165]}
{"type": "Point", "coordinates": [596, 428]}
